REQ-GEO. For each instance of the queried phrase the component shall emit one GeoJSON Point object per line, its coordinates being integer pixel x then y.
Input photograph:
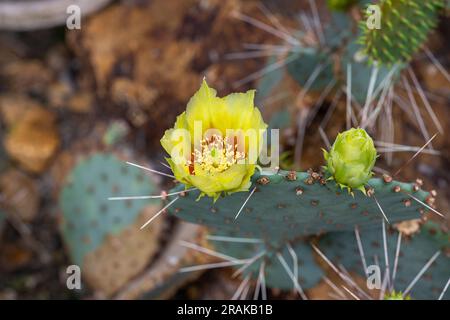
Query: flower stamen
{"type": "Point", "coordinates": [216, 155]}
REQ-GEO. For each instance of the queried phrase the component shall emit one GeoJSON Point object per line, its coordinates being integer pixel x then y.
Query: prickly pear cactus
{"type": "Point", "coordinates": [305, 65]}
{"type": "Point", "coordinates": [103, 237]}
{"type": "Point", "coordinates": [361, 72]}
{"type": "Point", "coordinates": [415, 251]}
{"type": "Point", "coordinates": [405, 25]}
{"type": "Point", "coordinates": [287, 205]}
{"type": "Point", "coordinates": [284, 211]}
{"type": "Point", "coordinates": [296, 254]}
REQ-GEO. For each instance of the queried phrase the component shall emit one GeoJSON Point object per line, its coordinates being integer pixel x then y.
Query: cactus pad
{"type": "Point", "coordinates": [305, 65]}
{"type": "Point", "coordinates": [88, 221]}
{"type": "Point", "coordinates": [309, 273]}
{"type": "Point", "coordinates": [286, 205]}
{"type": "Point", "coordinates": [405, 25]}
{"type": "Point", "coordinates": [341, 247]}
{"type": "Point", "coordinates": [361, 72]}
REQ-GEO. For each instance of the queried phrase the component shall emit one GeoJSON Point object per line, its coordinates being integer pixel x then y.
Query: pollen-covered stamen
{"type": "Point", "coordinates": [216, 155]}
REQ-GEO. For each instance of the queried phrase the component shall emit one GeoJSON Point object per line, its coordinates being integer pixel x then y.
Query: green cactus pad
{"type": "Point", "coordinates": [309, 273]}
{"type": "Point", "coordinates": [405, 25]}
{"type": "Point", "coordinates": [305, 63]}
{"type": "Point", "coordinates": [283, 209]}
{"type": "Point", "coordinates": [341, 247]}
{"type": "Point", "coordinates": [88, 215]}
{"type": "Point", "coordinates": [338, 30]}
{"type": "Point", "coordinates": [361, 72]}
{"type": "Point", "coordinates": [269, 82]}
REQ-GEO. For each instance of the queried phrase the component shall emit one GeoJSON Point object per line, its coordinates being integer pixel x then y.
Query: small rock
{"type": "Point", "coordinates": [19, 194]}
{"type": "Point", "coordinates": [13, 107]}
{"type": "Point", "coordinates": [33, 140]}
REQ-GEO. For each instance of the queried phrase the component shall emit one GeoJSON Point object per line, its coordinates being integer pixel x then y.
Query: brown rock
{"type": "Point", "coordinates": [13, 107]}
{"type": "Point", "coordinates": [27, 76]}
{"type": "Point", "coordinates": [19, 194]}
{"type": "Point", "coordinates": [33, 140]}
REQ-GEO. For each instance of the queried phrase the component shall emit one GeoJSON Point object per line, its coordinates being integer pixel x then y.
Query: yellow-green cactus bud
{"type": "Point", "coordinates": [351, 159]}
{"type": "Point", "coordinates": [396, 296]}
{"type": "Point", "coordinates": [215, 143]}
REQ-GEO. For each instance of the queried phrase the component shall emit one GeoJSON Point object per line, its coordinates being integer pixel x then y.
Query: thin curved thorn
{"type": "Point", "coordinates": [372, 81]}
{"type": "Point", "coordinates": [444, 290]}
{"type": "Point", "coordinates": [263, 280]}
{"type": "Point", "coordinates": [239, 290]}
{"type": "Point", "coordinates": [343, 276]}
{"type": "Point", "coordinates": [245, 202]}
{"type": "Point", "coordinates": [316, 20]}
{"type": "Point", "coordinates": [425, 101]}
{"type": "Point", "coordinates": [159, 212]}
{"type": "Point", "coordinates": [257, 288]}
{"type": "Point", "coordinates": [360, 249]}
{"type": "Point", "coordinates": [324, 137]}
{"type": "Point", "coordinates": [272, 18]}
{"type": "Point", "coordinates": [289, 272]}
{"type": "Point", "coordinates": [437, 64]}
{"type": "Point", "coordinates": [415, 155]}
{"type": "Point", "coordinates": [294, 259]}
{"type": "Point", "coordinates": [150, 197]}
{"type": "Point", "coordinates": [312, 77]}
{"type": "Point", "coordinates": [350, 281]}
{"type": "Point", "coordinates": [425, 205]}
{"type": "Point", "coordinates": [381, 209]}
{"type": "Point", "coordinates": [397, 255]}
{"type": "Point", "coordinates": [351, 293]}
{"type": "Point", "coordinates": [165, 165]}
{"type": "Point", "coordinates": [271, 67]}
{"type": "Point", "coordinates": [242, 55]}
{"type": "Point", "coordinates": [207, 251]}
{"type": "Point", "coordinates": [245, 292]}
{"type": "Point", "coordinates": [151, 170]}
{"type": "Point", "coordinates": [386, 255]}
{"type": "Point", "coordinates": [265, 27]}
{"type": "Point", "coordinates": [384, 286]}
{"type": "Point", "coordinates": [212, 265]}
{"type": "Point", "coordinates": [334, 287]}
{"type": "Point", "coordinates": [248, 264]}
{"type": "Point", "coordinates": [416, 110]}
{"type": "Point", "coordinates": [233, 239]}
{"type": "Point", "coordinates": [421, 272]}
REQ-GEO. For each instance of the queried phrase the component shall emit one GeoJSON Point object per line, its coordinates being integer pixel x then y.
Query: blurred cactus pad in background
{"type": "Point", "coordinates": [352, 96]}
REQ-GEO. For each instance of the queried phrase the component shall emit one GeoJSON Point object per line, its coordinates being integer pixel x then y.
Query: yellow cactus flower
{"type": "Point", "coordinates": [215, 143]}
